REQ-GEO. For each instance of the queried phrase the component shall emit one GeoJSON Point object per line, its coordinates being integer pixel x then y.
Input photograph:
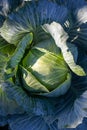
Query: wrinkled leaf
{"type": "Point", "coordinates": [3, 120]}
{"type": "Point", "coordinates": [71, 4]}
{"type": "Point", "coordinates": [26, 122]}
{"type": "Point", "coordinates": [28, 18]}
{"type": "Point", "coordinates": [7, 105]}
{"type": "Point", "coordinates": [69, 50]}
{"type": "Point", "coordinates": [20, 50]}
{"type": "Point", "coordinates": [37, 106]}
{"type": "Point", "coordinates": [5, 47]}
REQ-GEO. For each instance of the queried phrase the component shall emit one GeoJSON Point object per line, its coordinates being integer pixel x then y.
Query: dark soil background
{"type": "Point", "coordinates": [4, 128]}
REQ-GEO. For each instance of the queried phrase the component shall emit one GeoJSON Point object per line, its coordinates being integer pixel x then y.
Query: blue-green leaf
{"type": "Point", "coordinates": [72, 114]}
{"type": "Point", "coordinates": [82, 126]}
{"type": "Point", "coordinates": [77, 29]}
{"type": "Point", "coordinates": [27, 122]}
{"type": "Point", "coordinates": [78, 35]}
{"type": "Point", "coordinates": [2, 18]}
{"type": "Point", "coordinates": [29, 17]}
{"type": "Point", "coordinates": [20, 50]}
{"type": "Point", "coordinates": [54, 125]}
{"type": "Point", "coordinates": [61, 89]}
{"type": "Point", "coordinates": [3, 120]}
{"type": "Point", "coordinates": [72, 107]}
{"type": "Point", "coordinates": [7, 105]}
{"type": "Point", "coordinates": [36, 105]}
{"type": "Point", "coordinates": [71, 4]}
{"type": "Point", "coordinates": [49, 12]}
{"type": "Point", "coordinates": [3, 62]}
{"type": "Point", "coordinates": [8, 6]}
{"type": "Point", "coordinates": [6, 48]}
{"type": "Point", "coordinates": [82, 59]}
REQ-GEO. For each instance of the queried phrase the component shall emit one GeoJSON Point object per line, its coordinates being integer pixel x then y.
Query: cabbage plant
{"type": "Point", "coordinates": [43, 65]}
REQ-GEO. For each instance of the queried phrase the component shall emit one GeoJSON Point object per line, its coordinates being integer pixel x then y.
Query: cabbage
{"type": "Point", "coordinates": [43, 65]}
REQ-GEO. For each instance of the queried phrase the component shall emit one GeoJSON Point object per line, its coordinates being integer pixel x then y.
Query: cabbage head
{"type": "Point", "coordinates": [43, 65]}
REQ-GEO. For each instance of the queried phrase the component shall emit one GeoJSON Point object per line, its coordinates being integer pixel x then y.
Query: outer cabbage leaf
{"type": "Point", "coordinates": [74, 102]}
{"type": "Point", "coordinates": [3, 120]}
{"type": "Point", "coordinates": [78, 36]}
{"type": "Point", "coordinates": [6, 7]}
{"type": "Point", "coordinates": [2, 18]}
{"type": "Point", "coordinates": [78, 32]}
{"type": "Point", "coordinates": [44, 41]}
{"type": "Point", "coordinates": [13, 55]}
{"type": "Point", "coordinates": [7, 105]}
{"type": "Point", "coordinates": [28, 18]}
{"type": "Point", "coordinates": [76, 22]}
{"type": "Point", "coordinates": [6, 50]}
{"type": "Point", "coordinates": [3, 61]}
{"type": "Point", "coordinates": [69, 50]}
{"type": "Point", "coordinates": [75, 108]}
{"type": "Point", "coordinates": [27, 122]}
{"type": "Point", "coordinates": [80, 14]}
{"type": "Point", "coordinates": [38, 106]}
{"type": "Point", "coordinates": [20, 50]}
{"type": "Point", "coordinates": [82, 59]}
{"type": "Point", "coordinates": [54, 125]}
{"type": "Point", "coordinates": [82, 126]}
{"type": "Point", "coordinates": [71, 4]}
